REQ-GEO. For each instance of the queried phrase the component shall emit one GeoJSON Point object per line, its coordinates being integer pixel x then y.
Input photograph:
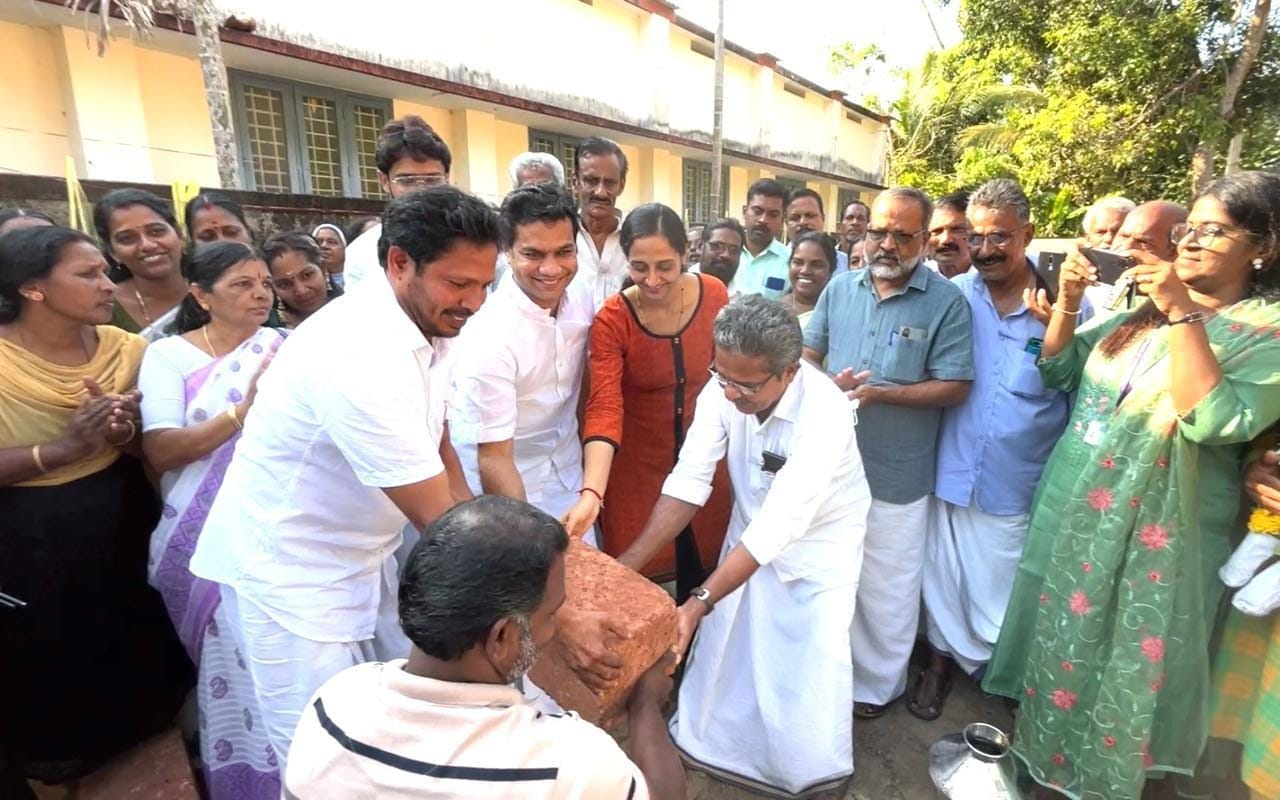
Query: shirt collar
{"type": "Point", "coordinates": [399, 330]}
{"type": "Point", "coordinates": [919, 279]}
{"type": "Point", "coordinates": [980, 286]}
{"type": "Point", "coordinates": [788, 407]}
{"type": "Point", "coordinates": [447, 693]}
{"type": "Point", "coordinates": [511, 291]}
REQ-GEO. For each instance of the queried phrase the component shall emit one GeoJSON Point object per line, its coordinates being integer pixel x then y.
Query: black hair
{"type": "Point", "coordinates": [9, 214]}
{"type": "Point", "coordinates": [208, 200]}
{"type": "Point", "coordinates": [823, 241]}
{"type": "Point", "coordinates": [291, 242]}
{"type": "Point", "coordinates": [955, 201]}
{"type": "Point", "coordinates": [203, 265]}
{"type": "Point", "coordinates": [768, 187]}
{"type": "Point", "coordinates": [731, 224]}
{"type": "Point", "coordinates": [653, 219]}
{"type": "Point", "coordinates": [537, 202]}
{"type": "Point", "coordinates": [411, 137]}
{"type": "Point", "coordinates": [30, 254]}
{"type": "Point", "coordinates": [480, 562]}
{"type": "Point", "coordinates": [807, 192]}
{"type": "Point", "coordinates": [356, 227]}
{"type": "Point", "coordinates": [1252, 200]}
{"type": "Point", "coordinates": [113, 202]}
{"type": "Point", "coordinates": [428, 222]}
{"type": "Point", "coordinates": [856, 203]}
{"type": "Point", "coordinates": [599, 146]}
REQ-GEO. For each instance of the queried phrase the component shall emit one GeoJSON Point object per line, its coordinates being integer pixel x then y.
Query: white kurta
{"type": "Point", "coordinates": [970, 563]}
{"type": "Point", "coordinates": [600, 272]}
{"type": "Point", "coordinates": [767, 696]}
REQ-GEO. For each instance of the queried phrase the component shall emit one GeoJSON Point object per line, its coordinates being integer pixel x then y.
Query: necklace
{"type": "Point", "coordinates": [679, 312]}
{"type": "Point", "coordinates": [205, 330]}
{"type": "Point", "coordinates": [142, 305]}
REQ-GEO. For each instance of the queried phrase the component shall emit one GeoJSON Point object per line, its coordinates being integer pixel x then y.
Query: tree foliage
{"type": "Point", "coordinates": [1086, 98]}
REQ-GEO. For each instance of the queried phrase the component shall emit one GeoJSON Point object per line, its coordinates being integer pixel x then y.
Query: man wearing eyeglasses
{"type": "Point", "coordinates": [991, 449]}
{"type": "Point", "coordinates": [722, 243]}
{"type": "Point", "coordinates": [896, 337]}
{"type": "Point", "coordinates": [410, 156]}
{"type": "Point", "coordinates": [775, 613]}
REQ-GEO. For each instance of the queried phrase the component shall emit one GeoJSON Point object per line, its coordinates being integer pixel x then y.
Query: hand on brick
{"type": "Point", "coordinates": [579, 519]}
{"type": "Point", "coordinates": [654, 686]}
{"type": "Point", "coordinates": [588, 638]}
{"type": "Point", "coordinates": [687, 618]}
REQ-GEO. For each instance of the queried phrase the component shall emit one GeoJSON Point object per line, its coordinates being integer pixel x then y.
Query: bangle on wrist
{"type": "Point", "coordinates": [1062, 310]}
{"type": "Point", "coordinates": [35, 456]}
{"type": "Point", "coordinates": [593, 492]}
{"type": "Point", "coordinates": [234, 416]}
{"type": "Point", "coordinates": [1192, 316]}
{"type": "Point", "coordinates": [133, 431]}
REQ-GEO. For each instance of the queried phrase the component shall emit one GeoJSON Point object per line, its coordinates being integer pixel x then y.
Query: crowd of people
{"type": "Point", "coordinates": [310, 500]}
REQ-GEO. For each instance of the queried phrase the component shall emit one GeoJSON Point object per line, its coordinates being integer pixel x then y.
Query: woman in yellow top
{"type": "Point", "coordinates": [89, 664]}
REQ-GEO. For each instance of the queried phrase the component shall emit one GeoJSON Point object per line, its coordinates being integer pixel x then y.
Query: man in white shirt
{"type": "Point", "coordinates": [410, 156]}
{"type": "Point", "coordinates": [600, 175]}
{"type": "Point", "coordinates": [768, 689]}
{"type": "Point", "coordinates": [347, 441]}
{"type": "Point", "coordinates": [515, 416]}
{"type": "Point", "coordinates": [479, 601]}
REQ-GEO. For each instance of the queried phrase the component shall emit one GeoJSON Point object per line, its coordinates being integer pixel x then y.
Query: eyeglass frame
{"type": "Point", "coordinates": [1192, 230]}
{"type": "Point", "coordinates": [746, 390]}
{"type": "Point", "coordinates": [900, 239]}
{"type": "Point", "coordinates": [420, 181]}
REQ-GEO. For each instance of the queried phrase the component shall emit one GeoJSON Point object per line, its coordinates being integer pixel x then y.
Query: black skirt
{"type": "Point", "coordinates": [91, 666]}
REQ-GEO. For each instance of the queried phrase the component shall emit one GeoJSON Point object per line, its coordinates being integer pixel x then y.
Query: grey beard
{"type": "Point", "coordinates": [894, 273]}
{"type": "Point", "coordinates": [528, 652]}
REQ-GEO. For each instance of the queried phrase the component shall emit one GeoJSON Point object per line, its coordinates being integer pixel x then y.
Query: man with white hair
{"type": "Point", "coordinates": [531, 167]}
{"type": "Point", "coordinates": [1103, 220]}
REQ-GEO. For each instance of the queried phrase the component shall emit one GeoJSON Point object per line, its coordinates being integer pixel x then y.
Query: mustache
{"type": "Point", "coordinates": [949, 247]}
{"type": "Point", "coordinates": [986, 261]}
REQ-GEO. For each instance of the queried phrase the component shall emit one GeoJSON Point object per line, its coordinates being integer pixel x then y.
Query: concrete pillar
{"type": "Point", "coordinates": [658, 177]}
{"type": "Point", "coordinates": [767, 85]}
{"type": "Point", "coordinates": [655, 38]}
{"type": "Point", "coordinates": [475, 154]}
{"type": "Point", "coordinates": [106, 118]}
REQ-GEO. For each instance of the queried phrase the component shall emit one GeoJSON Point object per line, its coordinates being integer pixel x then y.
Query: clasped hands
{"type": "Point", "coordinates": [104, 419]}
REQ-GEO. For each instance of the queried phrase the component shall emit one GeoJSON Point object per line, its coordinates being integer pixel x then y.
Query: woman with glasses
{"type": "Point", "coordinates": [301, 285]}
{"type": "Point", "coordinates": [649, 355]}
{"type": "Point", "coordinates": [1106, 643]}
{"type": "Point", "coordinates": [198, 387]}
{"type": "Point", "coordinates": [813, 260]}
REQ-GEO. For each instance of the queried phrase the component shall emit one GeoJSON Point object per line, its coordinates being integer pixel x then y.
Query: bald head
{"type": "Point", "coordinates": [1151, 227]}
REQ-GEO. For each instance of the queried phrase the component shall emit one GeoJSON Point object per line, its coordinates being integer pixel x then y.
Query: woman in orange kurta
{"type": "Point", "coordinates": [650, 349]}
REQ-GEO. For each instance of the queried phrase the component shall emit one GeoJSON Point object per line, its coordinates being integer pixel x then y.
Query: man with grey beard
{"type": "Point", "coordinates": [896, 339]}
{"type": "Point", "coordinates": [478, 600]}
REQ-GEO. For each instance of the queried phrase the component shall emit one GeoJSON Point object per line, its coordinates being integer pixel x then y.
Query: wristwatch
{"type": "Point", "coordinates": [702, 594]}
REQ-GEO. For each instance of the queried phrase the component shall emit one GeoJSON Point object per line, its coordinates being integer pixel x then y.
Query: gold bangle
{"type": "Point", "coordinates": [35, 456]}
{"type": "Point", "coordinates": [235, 419]}
{"type": "Point", "coordinates": [1062, 310]}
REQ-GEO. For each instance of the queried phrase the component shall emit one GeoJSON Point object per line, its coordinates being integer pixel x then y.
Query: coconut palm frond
{"type": "Point", "coordinates": [995, 97]}
{"type": "Point", "coordinates": [988, 136]}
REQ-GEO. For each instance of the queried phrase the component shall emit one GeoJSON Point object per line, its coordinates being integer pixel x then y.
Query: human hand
{"type": "Point", "coordinates": [1158, 280]}
{"type": "Point", "coordinates": [579, 519]}
{"type": "Point", "coordinates": [251, 393]}
{"type": "Point", "coordinates": [687, 618]}
{"type": "Point", "coordinates": [1262, 481]}
{"type": "Point", "coordinates": [848, 380]}
{"type": "Point", "coordinates": [1077, 274]}
{"type": "Point", "coordinates": [1037, 302]}
{"type": "Point", "coordinates": [654, 687]}
{"type": "Point", "coordinates": [587, 638]}
{"type": "Point", "coordinates": [866, 394]}
{"type": "Point", "coordinates": [89, 427]}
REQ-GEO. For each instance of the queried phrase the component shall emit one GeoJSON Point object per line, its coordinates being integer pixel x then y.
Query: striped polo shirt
{"type": "Point", "coordinates": [374, 730]}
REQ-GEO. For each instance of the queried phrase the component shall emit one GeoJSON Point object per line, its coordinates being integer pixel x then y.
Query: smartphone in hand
{"type": "Point", "coordinates": [1109, 264]}
{"type": "Point", "coordinates": [1049, 269]}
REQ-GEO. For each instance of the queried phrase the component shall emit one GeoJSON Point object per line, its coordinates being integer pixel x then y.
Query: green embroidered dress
{"type": "Point", "coordinates": [1106, 639]}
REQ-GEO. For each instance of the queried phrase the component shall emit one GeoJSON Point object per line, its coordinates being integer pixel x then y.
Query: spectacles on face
{"type": "Point", "coordinates": [900, 238]}
{"type": "Point", "coordinates": [720, 248]}
{"type": "Point", "coordinates": [745, 389]}
{"type": "Point", "coordinates": [420, 181]}
{"type": "Point", "coordinates": [1206, 233]}
{"type": "Point", "coordinates": [956, 231]}
{"type": "Point", "coordinates": [997, 239]}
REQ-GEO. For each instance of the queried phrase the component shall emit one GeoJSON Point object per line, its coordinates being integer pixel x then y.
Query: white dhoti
{"type": "Point", "coordinates": [888, 612]}
{"type": "Point", "coordinates": [768, 686]}
{"type": "Point", "coordinates": [971, 561]}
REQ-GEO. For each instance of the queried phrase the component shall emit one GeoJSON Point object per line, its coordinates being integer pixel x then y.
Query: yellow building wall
{"type": "Point", "coordinates": [177, 118]}
{"type": "Point", "coordinates": [33, 127]}
{"type": "Point", "coordinates": [738, 183]}
{"type": "Point", "coordinates": [636, 191]}
{"type": "Point", "coordinates": [510, 140]}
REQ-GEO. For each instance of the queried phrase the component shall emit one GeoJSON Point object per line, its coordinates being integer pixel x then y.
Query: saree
{"type": "Point", "coordinates": [238, 759]}
{"type": "Point", "coordinates": [156, 330]}
{"type": "Point", "coordinates": [1116, 678]}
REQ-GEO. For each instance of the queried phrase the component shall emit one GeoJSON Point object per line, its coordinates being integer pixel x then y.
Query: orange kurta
{"type": "Point", "coordinates": [644, 389]}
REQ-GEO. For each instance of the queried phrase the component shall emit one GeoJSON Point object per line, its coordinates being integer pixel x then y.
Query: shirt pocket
{"type": "Point", "coordinates": [1022, 376]}
{"type": "Point", "coordinates": [904, 360]}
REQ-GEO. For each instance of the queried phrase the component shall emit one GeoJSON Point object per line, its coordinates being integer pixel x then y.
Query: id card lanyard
{"type": "Point", "coordinates": [1133, 370]}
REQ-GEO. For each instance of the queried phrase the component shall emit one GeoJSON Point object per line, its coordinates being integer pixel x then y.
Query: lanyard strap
{"type": "Point", "coordinates": [1133, 370]}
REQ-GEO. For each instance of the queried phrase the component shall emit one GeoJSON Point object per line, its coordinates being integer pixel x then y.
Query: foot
{"type": "Point", "coordinates": [870, 710]}
{"type": "Point", "coordinates": [932, 688]}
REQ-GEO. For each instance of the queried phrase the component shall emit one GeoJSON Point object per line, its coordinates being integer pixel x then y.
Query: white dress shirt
{"type": "Point", "coordinates": [601, 272]}
{"type": "Point", "coordinates": [519, 376]}
{"type": "Point", "coordinates": [354, 401]}
{"type": "Point", "coordinates": [362, 258]}
{"type": "Point", "coordinates": [797, 519]}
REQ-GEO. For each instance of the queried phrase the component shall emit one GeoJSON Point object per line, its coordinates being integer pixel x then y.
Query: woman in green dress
{"type": "Point", "coordinates": [1106, 641]}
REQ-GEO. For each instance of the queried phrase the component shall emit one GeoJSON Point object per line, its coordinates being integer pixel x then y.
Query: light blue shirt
{"type": "Point", "coordinates": [767, 274]}
{"type": "Point", "coordinates": [993, 447]}
{"type": "Point", "coordinates": [842, 262]}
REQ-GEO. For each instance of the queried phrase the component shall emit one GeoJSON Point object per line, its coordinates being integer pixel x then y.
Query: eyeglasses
{"type": "Point", "coordinates": [746, 389]}
{"type": "Point", "coordinates": [997, 239]}
{"type": "Point", "coordinates": [420, 181]}
{"type": "Point", "coordinates": [899, 238]}
{"type": "Point", "coordinates": [1205, 233]}
{"type": "Point", "coordinates": [721, 247]}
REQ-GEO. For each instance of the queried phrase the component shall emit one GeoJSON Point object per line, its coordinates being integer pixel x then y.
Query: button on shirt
{"type": "Point", "coordinates": [919, 334]}
{"type": "Point", "coordinates": [354, 401]}
{"type": "Point", "coordinates": [375, 730]}
{"type": "Point", "coordinates": [600, 272]}
{"type": "Point", "coordinates": [993, 447]}
{"type": "Point", "coordinates": [362, 258]}
{"type": "Point", "coordinates": [518, 377]}
{"type": "Point", "coordinates": [795, 518]}
{"type": "Point", "coordinates": [767, 274]}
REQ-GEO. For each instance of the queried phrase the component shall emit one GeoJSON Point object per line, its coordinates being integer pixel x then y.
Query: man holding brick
{"type": "Point", "coordinates": [446, 722]}
{"type": "Point", "coordinates": [769, 684]}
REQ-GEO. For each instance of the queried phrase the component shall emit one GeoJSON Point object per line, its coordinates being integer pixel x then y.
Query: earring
{"type": "Point", "coordinates": [204, 307]}
{"type": "Point", "coordinates": [36, 297]}
{"type": "Point", "coordinates": [1257, 264]}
